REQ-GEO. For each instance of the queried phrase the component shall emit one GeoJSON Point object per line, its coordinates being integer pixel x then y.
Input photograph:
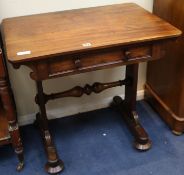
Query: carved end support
{"type": "Point", "coordinates": [54, 164]}
{"type": "Point", "coordinates": [142, 141]}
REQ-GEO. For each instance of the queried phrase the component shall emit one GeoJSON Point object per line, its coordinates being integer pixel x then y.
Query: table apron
{"type": "Point", "coordinates": [101, 59]}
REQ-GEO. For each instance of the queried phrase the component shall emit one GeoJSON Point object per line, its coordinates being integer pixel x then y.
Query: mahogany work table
{"type": "Point", "coordinates": [76, 41]}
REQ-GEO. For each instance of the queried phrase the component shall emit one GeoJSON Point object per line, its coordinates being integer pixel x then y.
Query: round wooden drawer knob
{"type": "Point", "coordinates": [127, 55]}
{"type": "Point", "coordinates": [77, 63]}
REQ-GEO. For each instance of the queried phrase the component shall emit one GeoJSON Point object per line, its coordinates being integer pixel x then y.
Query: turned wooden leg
{"type": "Point", "coordinates": [54, 164]}
{"type": "Point", "coordinates": [127, 107]}
{"type": "Point", "coordinates": [10, 112]}
{"type": "Point", "coordinates": [17, 144]}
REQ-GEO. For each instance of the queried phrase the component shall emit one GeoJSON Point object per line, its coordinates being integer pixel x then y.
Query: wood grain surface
{"type": "Point", "coordinates": [33, 37]}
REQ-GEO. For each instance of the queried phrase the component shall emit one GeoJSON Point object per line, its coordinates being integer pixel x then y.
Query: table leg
{"type": "Point", "coordinates": [17, 144]}
{"type": "Point", "coordinates": [54, 164]}
{"type": "Point", "coordinates": [8, 105]}
{"type": "Point", "coordinates": [127, 107]}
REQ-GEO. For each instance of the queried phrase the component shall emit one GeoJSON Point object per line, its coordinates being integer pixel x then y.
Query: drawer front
{"type": "Point", "coordinates": [98, 60]}
{"type": "Point", "coordinates": [105, 58]}
{"type": "Point", "coordinates": [138, 54]}
{"type": "Point", "coordinates": [84, 62]}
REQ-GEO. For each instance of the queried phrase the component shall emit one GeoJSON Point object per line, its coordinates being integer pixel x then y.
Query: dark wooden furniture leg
{"type": "Point", "coordinates": [6, 98]}
{"type": "Point", "coordinates": [54, 164]}
{"type": "Point", "coordinates": [127, 107]}
{"type": "Point", "coordinates": [17, 144]}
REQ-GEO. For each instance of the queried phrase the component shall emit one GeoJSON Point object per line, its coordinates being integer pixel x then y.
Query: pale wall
{"type": "Point", "coordinates": [24, 88]}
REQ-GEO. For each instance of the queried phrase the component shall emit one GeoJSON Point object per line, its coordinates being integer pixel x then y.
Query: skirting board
{"type": "Point", "coordinates": [58, 113]}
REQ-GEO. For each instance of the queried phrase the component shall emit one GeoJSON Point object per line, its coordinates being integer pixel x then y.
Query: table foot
{"type": "Point", "coordinates": [20, 166]}
{"type": "Point", "coordinates": [19, 152]}
{"type": "Point", "coordinates": [142, 141]}
{"type": "Point", "coordinates": [177, 133]}
{"type": "Point", "coordinates": [143, 147]}
{"type": "Point", "coordinates": [54, 164]}
{"type": "Point", "coordinates": [54, 167]}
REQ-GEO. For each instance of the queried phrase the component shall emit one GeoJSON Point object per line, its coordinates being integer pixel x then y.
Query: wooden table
{"type": "Point", "coordinates": [72, 42]}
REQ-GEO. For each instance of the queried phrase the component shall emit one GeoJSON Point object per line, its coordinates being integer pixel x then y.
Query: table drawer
{"type": "Point", "coordinates": [83, 62]}
{"type": "Point", "coordinates": [94, 60]}
{"type": "Point", "coordinates": [97, 60]}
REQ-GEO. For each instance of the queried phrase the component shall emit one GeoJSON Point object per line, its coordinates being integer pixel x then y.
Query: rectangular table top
{"type": "Point", "coordinates": [29, 38]}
